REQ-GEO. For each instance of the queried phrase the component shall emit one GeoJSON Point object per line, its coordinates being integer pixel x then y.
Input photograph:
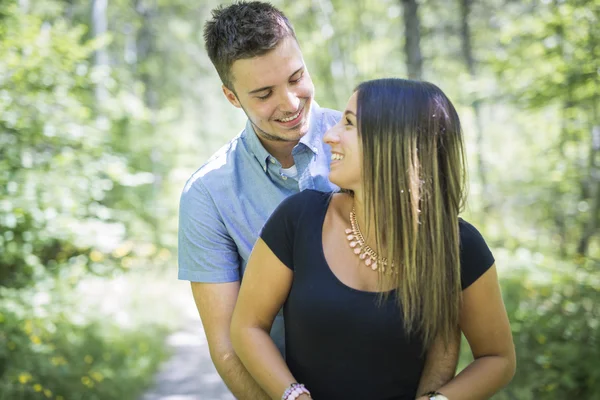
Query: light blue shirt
{"type": "Point", "coordinates": [225, 204]}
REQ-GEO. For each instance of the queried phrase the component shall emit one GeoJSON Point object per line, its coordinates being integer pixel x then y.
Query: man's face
{"type": "Point", "coordinates": [275, 91]}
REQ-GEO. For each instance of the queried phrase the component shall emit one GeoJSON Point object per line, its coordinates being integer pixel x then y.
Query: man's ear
{"type": "Point", "coordinates": [231, 96]}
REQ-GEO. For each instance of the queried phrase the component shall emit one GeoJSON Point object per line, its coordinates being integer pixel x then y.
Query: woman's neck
{"type": "Point", "coordinates": [367, 228]}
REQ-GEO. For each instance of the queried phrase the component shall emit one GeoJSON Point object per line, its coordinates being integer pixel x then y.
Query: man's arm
{"type": "Point", "coordinates": [208, 254]}
{"type": "Point", "coordinates": [215, 302]}
{"type": "Point", "coordinates": [440, 364]}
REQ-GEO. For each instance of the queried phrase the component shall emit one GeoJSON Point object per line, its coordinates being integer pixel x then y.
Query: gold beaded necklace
{"type": "Point", "coordinates": [362, 249]}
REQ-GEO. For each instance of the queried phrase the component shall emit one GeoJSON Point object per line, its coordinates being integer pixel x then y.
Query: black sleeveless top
{"type": "Point", "coordinates": [339, 342]}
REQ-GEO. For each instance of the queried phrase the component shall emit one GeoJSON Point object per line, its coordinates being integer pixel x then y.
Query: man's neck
{"type": "Point", "coordinates": [282, 151]}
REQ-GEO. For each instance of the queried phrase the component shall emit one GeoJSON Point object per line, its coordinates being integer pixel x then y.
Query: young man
{"type": "Point", "coordinates": [280, 152]}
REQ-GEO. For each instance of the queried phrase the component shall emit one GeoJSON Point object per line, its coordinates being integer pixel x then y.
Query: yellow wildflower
{"type": "Point", "coordinates": [58, 361]}
{"type": "Point", "coordinates": [88, 359]}
{"type": "Point", "coordinates": [37, 387]}
{"type": "Point", "coordinates": [127, 262]}
{"type": "Point", "coordinates": [28, 328]}
{"type": "Point", "coordinates": [164, 254]}
{"type": "Point", "coordinates": [541, 339]}
{"type": "Point", "coordinates": [96, 256]}
{"type": "Point", "coordinates": [98, 377]}
{"type": "Point", "coordinates": [87, 381]}
{"type": "Point", "coordinates": [123, 250]}
{"type": "Point", "coordinates": [24, 378]}
{"type": "Point", "coordinates": [47, 393]}
{"type": "Point", "coordinates": [35, 339]}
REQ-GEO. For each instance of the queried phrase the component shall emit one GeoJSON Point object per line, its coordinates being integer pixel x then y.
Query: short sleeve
{"type": "Point", "coordinates": [280, 229]}
{"type": "Point", "coordinates": [206, 252]}
{"type": "Point", "coordinates": [475, 255]}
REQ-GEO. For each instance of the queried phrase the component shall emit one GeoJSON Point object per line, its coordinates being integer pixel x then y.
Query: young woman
{"type": "Point", "coordinates": [372, 277]}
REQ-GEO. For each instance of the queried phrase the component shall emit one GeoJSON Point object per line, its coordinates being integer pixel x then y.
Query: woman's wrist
{"type": "Point", "coordinates": [432, 395]}
{"type": "Point", "coordinates": [296, 391]}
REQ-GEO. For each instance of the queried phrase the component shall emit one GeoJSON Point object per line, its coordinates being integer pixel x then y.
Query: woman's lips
{"type": "Point", "coordinates": [336, 158]}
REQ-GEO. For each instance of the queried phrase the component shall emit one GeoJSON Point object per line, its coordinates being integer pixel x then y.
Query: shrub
{"type": "Point", "coordinates": [51, 347]}
{"type": "Point", "coordinates": [554, 319]}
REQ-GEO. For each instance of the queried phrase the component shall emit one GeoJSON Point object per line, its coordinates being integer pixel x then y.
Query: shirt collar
{"type": "Point", "coordinates": [311, 140]}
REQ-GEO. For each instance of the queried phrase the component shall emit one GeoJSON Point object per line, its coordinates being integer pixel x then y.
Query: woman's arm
{"type": "Point", "coordinates": [265, 287]}
{"type": "Point", "coordinates": [485, 324]}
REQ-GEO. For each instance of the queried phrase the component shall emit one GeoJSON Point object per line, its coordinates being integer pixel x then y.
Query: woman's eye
{"type": "Point", "coordinates": [297, 80]}
{"type": "Point", "coordinates": [348, 122]}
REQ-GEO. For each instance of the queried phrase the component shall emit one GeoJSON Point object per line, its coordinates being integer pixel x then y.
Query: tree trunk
{"type": "Point", "coordinates": [145, 43]}
{"type": "Point", "coordinates": [145, 47]}
{"type": "Point", "coordinates": [593, 223]}
{"type": "Point", "coordinates": [594, 186]}
{"type": "Point", "coordinates": [24, 6]}
{"type": "Point", "coordinates": [321, 13]}
{"type": "Point", "coordinates": [412, 44]}
{"type": "Point", "coordinates": [99, 27]}
{"type": "Point", "coordinates": [467, 51]}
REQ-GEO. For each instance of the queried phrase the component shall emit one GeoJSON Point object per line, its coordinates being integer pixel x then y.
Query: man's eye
{"type": "Point", "coordinates": [266, 96]}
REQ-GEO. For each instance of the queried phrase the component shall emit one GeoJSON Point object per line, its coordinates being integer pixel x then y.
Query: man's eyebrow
{"type": "Point", "coordinates": [262, 89]}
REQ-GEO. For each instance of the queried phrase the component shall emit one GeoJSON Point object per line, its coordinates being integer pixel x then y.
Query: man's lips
{"type": "Point", "coordinates": [293, 122]}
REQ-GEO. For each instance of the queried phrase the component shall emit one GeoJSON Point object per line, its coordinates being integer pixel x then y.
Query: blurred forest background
{"type": "Point", "coordinates": [107, 107]}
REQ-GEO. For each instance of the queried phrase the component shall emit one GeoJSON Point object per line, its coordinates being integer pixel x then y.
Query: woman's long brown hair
{"type": "Point", "coordinates": [414, 185]}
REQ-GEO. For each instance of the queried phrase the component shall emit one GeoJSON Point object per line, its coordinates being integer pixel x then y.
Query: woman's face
{"type": "Point", "coordinates": [346, 155]}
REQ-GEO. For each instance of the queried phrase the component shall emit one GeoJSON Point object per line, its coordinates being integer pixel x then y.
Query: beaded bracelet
{"type": "Point", "coordinates": [294, 391]}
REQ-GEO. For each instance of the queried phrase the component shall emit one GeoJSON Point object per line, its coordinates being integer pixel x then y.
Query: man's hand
{"type": "Point", "coordinates": [215, 303]}
{"type": "Point", "coordinates": [440, 364]}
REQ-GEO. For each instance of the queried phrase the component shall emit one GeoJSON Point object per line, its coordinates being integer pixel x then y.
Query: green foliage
{"type": "Point", "coordinates": [74, 199]}
{"type": "Point", "coordinates": [53, 154]}
{"type": "Point", "coordinates": [71, 179]}
{"type": "Point", "coordinates": [555, 326]}
{"type": "Point", "coordinates": [555, 323]}
{"type": "Point", "coordinates": [547, 60]}
{"type": "Point", "coordinates": [52, 347]}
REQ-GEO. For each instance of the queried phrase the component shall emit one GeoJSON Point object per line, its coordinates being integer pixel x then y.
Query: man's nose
{"type": "Point", "coordinates": [290, 102]}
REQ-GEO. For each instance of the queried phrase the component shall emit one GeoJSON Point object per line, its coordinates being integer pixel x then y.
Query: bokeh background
{"type": "Point", "coordinates": [108, 106]}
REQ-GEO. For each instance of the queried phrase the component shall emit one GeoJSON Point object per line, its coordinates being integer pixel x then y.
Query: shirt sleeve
{"type": "Point", "coordinates": [280, 229]}
{"type": "Point", "coordinates": [206, 252]}
{"type": "Point", "coordinates": [475, 255]}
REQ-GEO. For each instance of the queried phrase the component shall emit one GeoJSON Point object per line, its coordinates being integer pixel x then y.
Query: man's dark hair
{"type": "Point", "coordinates": [243, 30]}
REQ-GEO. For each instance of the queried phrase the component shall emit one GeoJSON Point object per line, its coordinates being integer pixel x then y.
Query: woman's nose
{"type": "Point", "coordinates": [331, 136]}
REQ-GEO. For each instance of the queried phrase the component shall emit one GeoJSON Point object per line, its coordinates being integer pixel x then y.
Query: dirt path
{"type": "Point", "coordinates": [189, 374]}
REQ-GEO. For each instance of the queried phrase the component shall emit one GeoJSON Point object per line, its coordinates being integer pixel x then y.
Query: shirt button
{"type": "Point", "coordinates": [284, 177]}
{"type": "Point", "coordinates": [265, 168]}
{"type": "Point", "coordinates": [272, 160]}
